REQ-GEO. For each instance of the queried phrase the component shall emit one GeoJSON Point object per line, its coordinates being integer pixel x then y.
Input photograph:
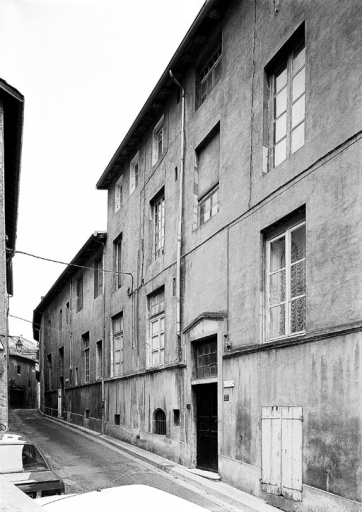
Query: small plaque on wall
{"type": "Point", "coordinates": [229, 384]}
{"type": "Point", "coordinates": [226, 398]}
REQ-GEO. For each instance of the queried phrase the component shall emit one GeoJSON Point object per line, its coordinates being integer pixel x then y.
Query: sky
{"type": "Point", "coordinates": [85, 68]}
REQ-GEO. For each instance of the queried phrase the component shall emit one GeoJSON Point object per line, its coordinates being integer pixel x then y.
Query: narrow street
{"type": "Point", "coordinates": [86, 465]}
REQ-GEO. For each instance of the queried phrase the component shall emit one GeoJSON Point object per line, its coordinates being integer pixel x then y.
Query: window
{"type": "Point", "coordinates": [207, 169]}
{"type": "Point", "coordinates": [117, 264]}
{"type": "Point", "coordinates": [159, 422]}
{"type": "Point", "coordinates": [99, 362]}
{"type": "Point", "coordinates": [158, 145]}
{"type": "Point", "coordinates": [18, 369]}
{"type": "Point", "coordinates": [118, 194]}
{"type": "Point", "coordinates": [76, 376]}
{"type": "Point", "coordinates": [158, 208]}
{"type": "Point", "coordinates": [117, 419]}
{"type": "Point", "coordinates": [134, 173]}
{"type": "Point", "coordinates": [79, 293]}
{"type": "Point", "coordinates": [209, 205]}
{"type": "Point", "coordinates": [61, 361]}
{"type": "Point", "coordinates": [281, 453]}
{"type": "Point", "coordinates": [117, 333]}
{"type": "Point", "coordinates": [176, 417]}
{"type": "Point", "coordinates": [206, 360]}
{"type": "Point", "coordinates": [49, 372]}
{"type": "Point", "coordinates": [286, 282]}
{"type": "Point", "coordinates": [208, 76]}
{"type": "Point", "coordinates": [98, 276]}
{"type": "Point", "coordinates": [286, 82]}
{"type": "Point", "coordinates": [156, 346]}
{"type": "Point", "coordinates": [85, 340]}
{"type": "Point", "coordinates": [67, 314]}
{"type": "Point", "coordinates": [61, 320]}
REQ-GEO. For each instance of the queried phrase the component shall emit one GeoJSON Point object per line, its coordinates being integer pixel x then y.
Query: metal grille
{"type": "Point", "coordinates": [159, 422]}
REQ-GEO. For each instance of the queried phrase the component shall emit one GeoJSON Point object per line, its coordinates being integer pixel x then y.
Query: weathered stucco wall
{"type": "Point", "coordinates": [3, 292]}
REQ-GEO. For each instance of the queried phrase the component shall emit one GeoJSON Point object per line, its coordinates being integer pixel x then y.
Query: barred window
{"type": "Point", "coordinates": [159, 422]}
{"type": "Point", "coordinates": [206, 360]}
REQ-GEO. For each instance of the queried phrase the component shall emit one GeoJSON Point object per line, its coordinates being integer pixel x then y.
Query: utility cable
{"type": "Point", "coordinates": [64, 263]}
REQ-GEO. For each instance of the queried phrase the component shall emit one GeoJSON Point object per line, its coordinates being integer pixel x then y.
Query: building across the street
{"type": "Point", "coordinates": [23, 371]}
{"type": "Point", "coordinates": [218, 323]}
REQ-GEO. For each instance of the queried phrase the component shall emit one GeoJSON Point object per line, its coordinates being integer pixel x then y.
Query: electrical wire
{"type": "Point", "coordinates": [67, 264]}
{"type": "Point", "coordinates": [37, 326]}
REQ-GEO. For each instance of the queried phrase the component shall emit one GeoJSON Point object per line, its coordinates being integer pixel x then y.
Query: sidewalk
{"type": "Point", "coordinates": [238, 499]}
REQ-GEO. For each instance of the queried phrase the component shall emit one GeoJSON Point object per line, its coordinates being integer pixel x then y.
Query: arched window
{"type": "Point", "coordinates": [159, 422]}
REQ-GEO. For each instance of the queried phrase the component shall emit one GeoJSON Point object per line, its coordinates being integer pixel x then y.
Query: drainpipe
{"type": "Point", "coordinates": [179, 230]}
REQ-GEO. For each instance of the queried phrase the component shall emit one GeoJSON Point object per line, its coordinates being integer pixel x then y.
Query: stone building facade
{"type": "Point", "coordinates": [23, 372]}
{"type": "Point", "coordinates": [11, 128]}
{"type": "Point", "coordinates": [231, 324]}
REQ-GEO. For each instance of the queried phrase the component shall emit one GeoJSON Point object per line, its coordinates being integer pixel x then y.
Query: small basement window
{"type": "Point", "coordinates": [159, 422]}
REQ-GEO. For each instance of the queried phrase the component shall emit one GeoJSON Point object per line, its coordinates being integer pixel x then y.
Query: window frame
{"type": "Point", "coordinates": [98, 276]}
{"type": "Point", "coordinates": [157, 151]}
{"type": "Point", "coordinates": [208, 69]}
{"type": "Point", "coordinates": [203, 200]}
{"type": "Point", "coordinates": [86, 356]}
{"type": "Point", "coordinates": [117, 263]}
{"type": "Point", "coordinates": [283, 62]}
{"type": "Point", "coordinates": [79, 293]}
{"type": "Point", "coordinates": [118, 334]}
{"type": "Point", "coordinates": [118, 194]}
{"type": "Point", "coordinates": [286, 234]}
{"type": "Point", "coordinates": [134, 173]}
{"type": "Point", "coordinates": [156, 337]}
{"type": "Point", "coordinates": [158, 220]}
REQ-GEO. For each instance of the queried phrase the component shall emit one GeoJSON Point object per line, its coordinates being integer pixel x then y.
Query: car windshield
{"type": "Point", "coordinates": [32, 459]}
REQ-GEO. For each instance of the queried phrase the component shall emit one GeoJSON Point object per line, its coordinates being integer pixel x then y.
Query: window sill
{"type": "Point", "coordinates": [299, 339]}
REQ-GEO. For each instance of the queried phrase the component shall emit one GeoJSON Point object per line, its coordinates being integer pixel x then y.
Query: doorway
{"type": "Point", "coordinates": [207, 448]}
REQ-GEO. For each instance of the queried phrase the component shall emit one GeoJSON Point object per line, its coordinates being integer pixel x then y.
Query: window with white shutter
{"type": "Point", "coordinates": [156, 339]}
{"type": "Point", "coordinates": [134, 173]}
{"type": "Point", "coordinates": [281, 454]}
{"type": "Point", "coordinates": [117, 342]}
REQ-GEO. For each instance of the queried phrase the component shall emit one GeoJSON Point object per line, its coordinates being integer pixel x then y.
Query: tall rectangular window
{"type": "Point", "coordinates": [156, 344]}
{"type": "Point", "coordinates": [281, 451]}
{"type": "Point", "coordinates": [158, 141]}
{"type": "Point", "coordinates": [134, 172]}
{"type": "Point", "coordinates": [67, 314]}
{"type": "Point", "coordinates": [207, 169]}
{"type": "Point", "coordinates": [117, 341]}
{"type": "Point", "coordinates": [86, 356]}
{"type": "Point", "coordinates": [286, 78]}
{"type": "Point", "coordinates": [79, 293]}
{"type": "Point", "coordinates": [49, 372]}
{"type": "Point", "coordinates": [158, 209]}
{"type": "Point", "coordinates": [286, 282]}
{"type": "Point", "coordinates": [118, 194]}
{"type": "Point", "coordinates": [98, 276]}
{"type": "Point", "coordinates": [208, 75]}
{"type": "Point", "coordinates": [99, 361]}
{"type": "Point", "coordinates": [60, 320]}
{"type": "Point", "coordinates": [117, 261]}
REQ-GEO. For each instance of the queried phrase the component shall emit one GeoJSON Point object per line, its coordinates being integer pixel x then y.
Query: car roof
{"type": "Point", "coordinates": [12, 438]}
{"type": "Point", "coordinates": [132, 497]}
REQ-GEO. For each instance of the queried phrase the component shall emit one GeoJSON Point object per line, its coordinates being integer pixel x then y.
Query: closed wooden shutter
{"type": "Point", "coordinates": [282, 451]}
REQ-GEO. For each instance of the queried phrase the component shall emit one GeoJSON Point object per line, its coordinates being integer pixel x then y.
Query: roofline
{"type": "Point", "coordinates": [71, 269]}
{"type": "Point", "coordinates": [202, 15]}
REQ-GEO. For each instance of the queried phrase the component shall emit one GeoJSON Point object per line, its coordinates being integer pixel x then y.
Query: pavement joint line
{"type": "Point", "coordinates": [226, 493]}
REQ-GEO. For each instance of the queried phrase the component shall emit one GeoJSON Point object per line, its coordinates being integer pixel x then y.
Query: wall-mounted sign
{"type": "Point", "coordinates": [226, 398]}
{"type": "Point", "coordinates": [229, 384]}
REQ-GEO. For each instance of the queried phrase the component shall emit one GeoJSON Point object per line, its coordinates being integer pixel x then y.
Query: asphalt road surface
{"type": "Point", "coordinates": [85, 465]}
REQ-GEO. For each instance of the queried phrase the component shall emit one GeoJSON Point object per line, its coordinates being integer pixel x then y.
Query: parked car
{"type": "Point", "coordinates": [125, 498]}
{"type": "Point", "coordinates": [22, 464]}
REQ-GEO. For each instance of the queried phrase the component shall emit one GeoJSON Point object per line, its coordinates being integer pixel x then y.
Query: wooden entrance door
{"type": "Point", "coordinates": [207, 427]}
